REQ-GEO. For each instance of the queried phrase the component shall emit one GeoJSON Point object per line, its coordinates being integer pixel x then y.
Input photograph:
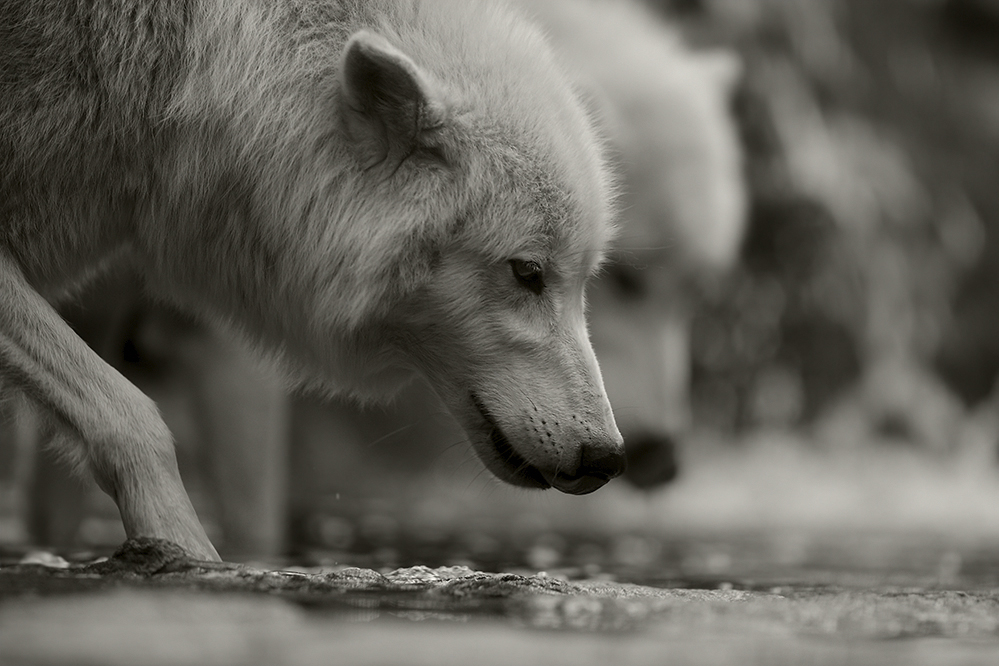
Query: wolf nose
{"type": "Point", "coordinates": [602, 461]}
{"type": "Point", "coordinates": [598, 464]}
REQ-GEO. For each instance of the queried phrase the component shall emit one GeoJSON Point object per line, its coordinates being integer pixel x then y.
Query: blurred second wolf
{"type": "Point", "coordinates": [665, 110]}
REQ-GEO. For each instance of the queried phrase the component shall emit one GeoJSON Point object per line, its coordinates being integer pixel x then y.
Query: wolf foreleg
{"type": "Point", "coordinates": [117, 431]}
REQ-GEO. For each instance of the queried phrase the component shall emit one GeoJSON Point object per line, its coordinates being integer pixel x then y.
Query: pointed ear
{"type": "Point", "coordinates": [386, 100]}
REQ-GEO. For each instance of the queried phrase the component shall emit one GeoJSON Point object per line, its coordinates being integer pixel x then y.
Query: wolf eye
{"type": "Point", "coordinates": [528, 274]}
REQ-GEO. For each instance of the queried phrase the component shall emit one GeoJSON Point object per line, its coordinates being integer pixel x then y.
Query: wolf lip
{"type": "Point", "coordinates": [579, 485]}
{"type": "Point", "coordinates": [518, 470]}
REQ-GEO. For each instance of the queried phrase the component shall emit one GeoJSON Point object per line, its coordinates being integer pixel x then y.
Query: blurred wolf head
{"type": "Point", "coordinates": [665, 111]}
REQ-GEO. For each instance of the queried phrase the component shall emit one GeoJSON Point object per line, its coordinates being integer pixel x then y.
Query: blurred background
{"type": "Point", "coordinates": [799, 326]}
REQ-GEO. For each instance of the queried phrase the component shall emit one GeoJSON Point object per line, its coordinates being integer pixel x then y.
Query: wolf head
{"type": "Point", "coordinates": [494, 314]}
{"type": "Point", "coordinates": [481, 173]}
{"type": "Point", "coordinates": [411, 186]}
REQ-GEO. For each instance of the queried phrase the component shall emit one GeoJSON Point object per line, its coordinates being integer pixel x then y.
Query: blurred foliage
{"type": "Point", "coordinates": [872, 137]}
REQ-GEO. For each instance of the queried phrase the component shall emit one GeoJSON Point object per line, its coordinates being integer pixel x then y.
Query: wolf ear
{"type": "Point", "coordinates": [386, 100]}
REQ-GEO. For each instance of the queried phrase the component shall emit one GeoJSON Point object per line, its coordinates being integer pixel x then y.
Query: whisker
{"type": "Point", "coordinates": [393, 433]}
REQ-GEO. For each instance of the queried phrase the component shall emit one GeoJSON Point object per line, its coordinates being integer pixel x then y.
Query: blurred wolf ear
{"type": "Point", "coordinates": [386, 100]}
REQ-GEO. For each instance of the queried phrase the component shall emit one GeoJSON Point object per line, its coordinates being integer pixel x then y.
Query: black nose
{"type": "Point", "coordinates": [652, 460]}
{"type": "Point", "coordinates": [597, 465]}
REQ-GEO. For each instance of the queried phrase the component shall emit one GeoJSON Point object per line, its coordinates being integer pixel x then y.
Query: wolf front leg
{"type": "Point", "coordinates": [117, 431]}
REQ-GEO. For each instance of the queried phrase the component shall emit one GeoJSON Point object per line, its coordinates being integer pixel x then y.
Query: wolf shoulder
{"type": "Point", "coordinates": [83, 87]}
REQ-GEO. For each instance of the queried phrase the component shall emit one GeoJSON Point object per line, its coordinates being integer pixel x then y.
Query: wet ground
{"type": "Point", "coordinates": [775, 555]}
{"type": "Point", "coordinates": [752, 599]}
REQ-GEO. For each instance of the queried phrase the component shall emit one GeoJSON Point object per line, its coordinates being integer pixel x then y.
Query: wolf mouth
{"type": "Point", "coordinates": [517, 469]}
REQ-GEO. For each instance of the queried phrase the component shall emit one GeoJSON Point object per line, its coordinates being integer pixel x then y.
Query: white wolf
{"type": "Point", "coordinates": [370, 188]}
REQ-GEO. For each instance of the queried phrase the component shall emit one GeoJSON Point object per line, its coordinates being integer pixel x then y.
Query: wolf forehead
{"type": "Point", "coordinates": [524, 144]}
{"type": "Point", "coordinates": [541, 165]}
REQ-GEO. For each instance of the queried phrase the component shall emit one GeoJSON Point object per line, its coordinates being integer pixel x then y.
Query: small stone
{"type": "Point", "coordinates": [44, 559]}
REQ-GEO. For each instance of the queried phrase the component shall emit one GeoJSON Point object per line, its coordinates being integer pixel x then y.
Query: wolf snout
{"type": "Point", "coordinates": [598, 464]}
